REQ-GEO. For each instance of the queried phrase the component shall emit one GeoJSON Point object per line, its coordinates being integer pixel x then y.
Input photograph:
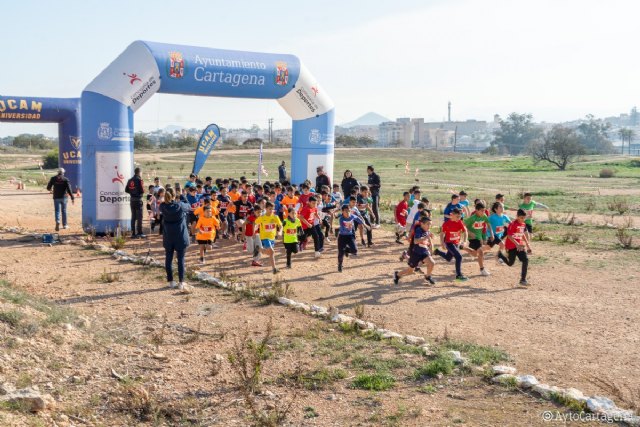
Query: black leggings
{"type": "Point", "coordinates": [368, 231]}
{"type": "Point", "coordinates": [511, 259]}
{"type": "Point", "coordinates": [313, 232]}
{"type": "Point", "coordinates": [346, 244]}
{"type": "Point", "coordinates": [453, 252]}
{"type": "Point", "coordinates": [292, 248]}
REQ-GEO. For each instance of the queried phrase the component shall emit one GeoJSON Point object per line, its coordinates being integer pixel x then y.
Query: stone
{"type": "Point", "coordinates": [526, 381]}
{"type": "Point", "coordinates": [500, 369]}
{"type": "Point", "coordinates": [6, 388]}
{"type": "Point", "coordinates": [390, 335]}
{"type": "Point", "coordinates": [545, 390]}
{"type": "Point", "coordinates": [505, 379]}
{"type": "Point", "coordinates": [457, 357]}
{"type": "Point", "coordinates": [67, 326]}
{"type": "Point", "coordinates": [319, 310]}
{"type": "Point", "coordinates": [285, 301]}
{"type": "Point", "coordinates": [599, 404]}
{"type": "Point", "coordinates": [426, 350]}
{"type": "Point", "coordinates": [341, 318]}
{"type": "Point", "coordinates": [575, 395]}
{"type": "Point", "coordinates": [159, 356]}
{"type": "Point", "coordinates": [410, 339]}
{"type": "Point", "coordinates": [30, 399]}
{"type": "Point", "coordinates": [218, 358]}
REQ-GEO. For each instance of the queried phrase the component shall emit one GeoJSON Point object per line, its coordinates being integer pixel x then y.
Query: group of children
{"type": "Point", "coordinates": [475, 231]}
{"type": "Point", "coordinates": [258, 215]}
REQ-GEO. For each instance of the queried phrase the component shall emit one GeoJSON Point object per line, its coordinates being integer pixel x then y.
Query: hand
{"type": "Point", "coordinates": [520, 248]}
{"type": "Point", "coordinates": [529, 251]}
{"type": "Point", "coordinates": [368, 228]}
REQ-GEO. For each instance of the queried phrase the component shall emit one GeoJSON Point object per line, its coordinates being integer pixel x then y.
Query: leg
{"type": "Point", "coordinates": [452, 251]}
{"type": "Point", "coordinates": [64, 211]}
{"type": "Point", "coordinates": [342, 244]}
{"type": "Point", "coordinates": [132, 205]}
{"type": "Point", "coordinates": [57, 206]}
{"type": "Point", "coordinates": [180, 254]}
{"type": "Point", "coordinates": [524, 258]}
{"type": "Point", "coordinates": [317, 237]}
{"type": "Point", "coordinates": [513, 253]}
{"type": "Point", "coordinates": [168, 264]}
{"type": "Point", "coordinates": [232, 223]}
{"type": "Point", "coordinates": [351, 245]}
{"type": "Point", "coordinates": [376, 207]}
{"type": "Point", "coordinates": [160, 228]}
{"type": "Point", "coordinates": [369, 232]}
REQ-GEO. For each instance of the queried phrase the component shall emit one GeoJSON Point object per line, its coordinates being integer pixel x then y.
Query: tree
{"type": "Point", "coordinates": [593, 135]}
{"type": "Point", "coordinates": [515, 133]}
{"type": "Point", "coordinates": [141, 141]}
{"type": "Point", "coordinates": [50, 160]}
{"type": "Point", "coordinates": [34, 142]}
{"type": "Point", "coordinates": [561, 147]}
{"type": "Point", "coordinates": [628, 135]}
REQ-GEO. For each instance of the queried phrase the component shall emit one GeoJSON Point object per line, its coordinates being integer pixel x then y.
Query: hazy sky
{"type": "Point", "coordinates": [557, 59]}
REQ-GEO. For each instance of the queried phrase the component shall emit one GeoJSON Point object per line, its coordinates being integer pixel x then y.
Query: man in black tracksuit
{"type": "Point", "coordinates": [60, 187]}
{"type": "Point", "coordinates": [374, 187]}
{"type": "Point", "coordinates": [135, 188]}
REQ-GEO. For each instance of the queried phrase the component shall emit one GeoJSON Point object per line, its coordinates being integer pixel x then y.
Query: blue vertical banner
{"type": "Point", "coordinates": [206, 144]}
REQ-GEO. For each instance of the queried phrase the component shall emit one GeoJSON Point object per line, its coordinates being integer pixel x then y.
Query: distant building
{"type": "Point", "coordinates": [396, 134]}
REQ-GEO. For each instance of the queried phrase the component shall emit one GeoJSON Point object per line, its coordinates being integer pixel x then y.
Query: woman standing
{"type": "Point", "coordinates": [348, 183]}
{"type": "Point", "coordinates": [175, 236]}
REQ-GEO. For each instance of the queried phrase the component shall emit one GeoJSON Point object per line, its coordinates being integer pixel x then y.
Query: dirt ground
{"type": "Point", "coordinates": [175, 347]}
{"type": "Point", "coordinates": [575, 326]}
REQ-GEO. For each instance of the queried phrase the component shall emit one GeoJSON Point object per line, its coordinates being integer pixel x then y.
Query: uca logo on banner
{"type": "Point", "coordinates": [176, 65]}
{"type": "Point", "coordinates": [105, 131]}
{"type": "Point", "coordinates": [72, 157]}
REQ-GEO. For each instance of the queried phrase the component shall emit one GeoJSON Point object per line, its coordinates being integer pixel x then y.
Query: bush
{"type": "Point", "coordinates": [50, 160]}
{"type": "Point", "coordinates": [619, 204]}
{"type": "Point", "coordinates": [374, 382]}
{"type": "Point", "coordinates": [607, 173]}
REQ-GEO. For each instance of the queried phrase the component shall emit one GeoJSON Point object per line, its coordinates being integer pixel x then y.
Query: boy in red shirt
{"type": "Point", "coordinates": [452, 236]}
{"type": "Point", "coordinates": [303, 199]}
{"type": "Point", "coordinates": [517, 245]}
{"type": "Point", "coordinates": [252, 238]}
{"type": "Point", "coordinates": [402, 210]}
{"type": "Point", "coordinates": [308, 215]}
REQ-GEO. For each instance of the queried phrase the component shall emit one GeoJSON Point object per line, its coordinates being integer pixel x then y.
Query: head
{"type": "Point", "coordinates": [269, 208]}
{"type": "Point", "coordinates": [325, 196]}
{"type": "Point", "coordinates": [150, 188]}
{"type": "Point", "coordinates": [257, 210]}
{"type": "Point", "coordinates": [527, 197]}
{"type": "Point", "coordinates": [364, 190]}
{"type": "Point", "coordinates": [200, 189]}
{"type": "Point", "coordinates": [192, 177]}
{"type": "Point", "coordinates": [137, 171]}
{"type": "Point", "coordinates": [346, 210]}
{"type": "Point", "coordinates": [347, 174]}
{"type": "Point", "coordinates": [305, 188]}
{"type": "Point", "coordinates": [160, 193]}
{"type": "Point", "coordinates": [406, 196]}
{"type": "Point", "coordinates": [290, 191]}
{"type": "Point", "coordinates": [60, 171]}
{"type": "Point", "coordinates": [244, 196]}
{"type": "Point", "coordinates": [223, 190]}
{"type": "Point", "coordinates": [320, 170]}
{"type": "Point", "coordinates": [234, 188]}
{"type": "Point", "coordinates": [352, 201]}
{"type": "Point", "coordinates": [521, 216]}
{"type": "Point", "coordinates": [369, 170]}
{"type": "Point", "coordinates": [456, 214]}
{"type": "Point", "coordinates": [336, 188]}
{"type": "Point", "coordinates": [313, 201]}
{"type": "Point", "coordinates": [417, 193]}
{"type": "Point", "coordinates": [500, 198]}
{"type": "Point", "coordinates": [262, 203]}
{"type": "Point", "coordinates": [193, 191]}
{"type": "Point", "coordinates": [480, 208]}
{"type": "Point", "coordinates": [156, 181]}
{"type": "Point", "coordinates": [497, 208]}
{"type": "Point", "coordinates": [293, 214]}
{"type": "Point", "coordinates": [425, 222]}
{"type": "Point", "coordinates": [282, 164]}
{"type": "Point", "coordinates": [455, 199]}
{"type": "Point", "coordinates": [208, 213]}
{"type": "Point", "coordinates": [208, 180]}
{"type": "Point", "coordinates": [169, 196]}
{"type": "Point", "coordinates": [463, 195]}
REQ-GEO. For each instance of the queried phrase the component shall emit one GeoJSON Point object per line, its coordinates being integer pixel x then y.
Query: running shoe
{"type": "Point", "coordinates": [184, 288]}
{"type": "Point", "coordinates": [288, 265]}
{"type": "Point", "coordinates": [339, 268]}
{"type": "Point", "coordinates": [142, 236]}
{"type": "Point", "coordinates": [327, 239]}
{"type": "Point", "coordinates": [256, 264]}
{"type": "Point", "coordinates": [500, 261]}
{"type": "Point", "coordinates": [172, 284]}
{"type": "Point", "coordinates": [66, 227]}
{"type": "Point", "coordinates": [57, 226]}
{"type": "Point", "coordinates": [417, 270]}
{"type": "Point", "coordinates": [318, 254]}
{"type": "Point", "coordinates": [202, 260]}
{"type": "Point", "coordinates": [396, 278]}
{"type": "Point", "coordinates": [484, 272]}
{"type": "Point", "coordinates": [430, 280]}
{"type": "Point", "coordinates": [275, 271]}
{"type": "Point", "coordinates": [375, 226]}
{"type": "Point", "coordinates": [524, 282]}
{"type": "Point", "coordinates": [462, 278]}
{"type": "Point", "coordinates": [369, 244]}
{"type": "Point", "coordinates": [363, 243]}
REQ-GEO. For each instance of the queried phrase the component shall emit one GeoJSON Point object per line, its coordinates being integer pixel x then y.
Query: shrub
{"type": "Point", "coordinates": [619, 204]}
{"type": "Point", "coordinates": [374, 382]}
{"type": "Point", "coordinates": [607, 173]}
{"type": "Point", "coordinates": [50, 160]}
{"type": "Point", "coordinates": [443, 364]}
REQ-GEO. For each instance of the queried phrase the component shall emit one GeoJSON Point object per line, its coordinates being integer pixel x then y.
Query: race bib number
{"type": "Point", "coordinates": [478, 225]}
{"type": "Point", "coordinates": [292, 231]}
{"type": "Point", "coordinates": [499, 229]}
{"type": "Point", "coordinates": [348, 225]}
{"type": "Point", "coordinates": [454, 236]}
{"type": "Point", "coordinates": [206, 229]}
{"type": "Point", "coordinates": [269, 227]}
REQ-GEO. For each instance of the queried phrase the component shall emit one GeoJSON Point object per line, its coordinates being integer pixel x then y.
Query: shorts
{"type": "Point", "coordinates": [529, 228]}
{"type": "Point", "coordinates": [204, 242]}
{"type": "Point", "coordinates": [475, 244]}
{"type": "Point", "coordinates": [268, 243]}
{"type": "Point", "coordinates": [223, 216]}
{"type": "Point", "coordinates": [494, 242]}
{"type": "Point", "coordinates": [253, 245]}
{"type": "Point", "coordinates": [400, 229]}
{"type": "Point", "coordinates": [417, 257]}
{"type": "Point", "coordinates": [192, 217]}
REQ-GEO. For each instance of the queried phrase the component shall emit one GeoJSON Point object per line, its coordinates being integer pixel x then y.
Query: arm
{"type": "Point", "coordinates": [541, 205]}
{"type": "Point", "coordinates": [68, 191]}
{"type": "Point", "coordinates": [50, 185]}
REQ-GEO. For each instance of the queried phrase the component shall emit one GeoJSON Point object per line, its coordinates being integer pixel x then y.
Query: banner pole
{"type": "Point", "coordinates": [260, 165]}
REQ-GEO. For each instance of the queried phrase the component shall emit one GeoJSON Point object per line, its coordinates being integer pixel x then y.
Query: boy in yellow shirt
{"type": "Point", "coordinates": [206, 230]}
{"type": "Point", "coordinates": [290, 227]}
{"type": "Point", "coordinates": [269, 225]}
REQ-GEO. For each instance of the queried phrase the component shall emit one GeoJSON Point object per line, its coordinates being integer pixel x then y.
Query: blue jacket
{"type": "Point", "coordinates": [174, 218]}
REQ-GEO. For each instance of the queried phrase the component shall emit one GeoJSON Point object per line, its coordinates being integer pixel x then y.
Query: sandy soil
{"type": "Point", "coordinates": [576, 326]}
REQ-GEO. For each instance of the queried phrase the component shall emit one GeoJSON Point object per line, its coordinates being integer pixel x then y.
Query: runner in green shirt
{"type": "Point", "coordinates": [290, 227]}
{"type": "Point", "coordinates": [528, 205]}
{"type": "Point", "coordinates": [478, 224]}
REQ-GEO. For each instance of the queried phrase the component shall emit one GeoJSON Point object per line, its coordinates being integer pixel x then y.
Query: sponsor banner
{"type": "Point", "coordinates": [207, 141]}
{"type": "Point", "coordinates": [307, 99]}
{"type": "Point", "coordinates": [32, 109]}
{"type": "Point", "coordinates": [131, 79]}
{"type": "Point", "coordinates": [217, 72]}
{"type": "Point", "coordinates": [113, 169]}
{"type": "Point", "coordinates": [312, 146]}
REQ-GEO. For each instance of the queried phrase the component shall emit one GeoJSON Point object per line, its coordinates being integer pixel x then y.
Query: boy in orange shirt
{"type": "Point", "coordinates": [289, 200]}
{"type": "Point", "coordinates": [206, 230]}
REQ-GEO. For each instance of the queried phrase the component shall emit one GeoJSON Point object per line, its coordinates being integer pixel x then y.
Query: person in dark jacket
{"type": "Point", "coordinates": [175, 236]}
{"type": "Point", "coordinates": [60, 187]}
{"type": "Point", "coordinates": [282, 172]}
{"type": "Point", "coordinates": [374, 186]}
{"type": "Point", "coordinates": [322, 179]}
{"type": "Point", "coordinates": [348, 183]}
{"type": "Point", "coordinates": [135, 188]}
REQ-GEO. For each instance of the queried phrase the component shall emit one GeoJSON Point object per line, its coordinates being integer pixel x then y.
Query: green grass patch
{"type": "Point", "coordinates": [321, 378]}
{"type": "Point", "coordinates": [375, 363]}
{"type": "Point", "coordinates": [427, 389]}
{"type": "Point", "coordinates": [11, 317]}
{"type": "Point", "coordinates": [442, 364]}
{"type": "Point", "coordinates": [374, 382]}
{"type": "Point", "coordinates": [477, 354]}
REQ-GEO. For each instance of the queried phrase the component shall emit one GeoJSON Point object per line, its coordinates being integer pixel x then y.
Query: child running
{"type": "Point", "coordinates": [516, 243]}
{"type": "Point", "coordinates": [528, 205]}
{"type": "Point", "coordinates": [401, 213]}
{"type": "Point", "coordinates": [347, 235]}
{"type": "Point", "coordinates": [206, 230]}
{"type": "Point", "coordinates": [269, 225]}
{"type": "Point", "coordinates": [451, 236]}
{"type": "Point", "coordinates": [477, 223]}
{"type": "Point", "coordinates": [421, 252]}
{"type": "Point", "coordinates": [252, 237]}
{"type": "Point", "coordinates": [498, 221]}
{"type": "Point", "coordinates": [290, 226]}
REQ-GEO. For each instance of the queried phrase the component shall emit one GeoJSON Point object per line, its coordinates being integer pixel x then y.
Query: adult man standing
{"type": "Point", "coordinates": [135, 188]}
{"type": "Point", "coordinates": [60, 187]}
{"type": "Point", "coordinates": [282, 172]}
{"type": "Point", "coordinates": [322, 179]}
{"type": "Point", "coordinates": [374, 187]}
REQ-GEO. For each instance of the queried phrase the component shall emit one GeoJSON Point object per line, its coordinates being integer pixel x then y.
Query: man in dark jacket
{"type": "Point", "coordinates": [374, 186]}
{"type": "Point", "coordinates": [322, 179]}
{"type": "Point", "coordinates": [135, 188]}
{"type": "Point", "coordinates": [60, 187]}
{"type": "Point", "coordinates": [175, 237]}
{"type": "Point", "coordinates": [282, 172]}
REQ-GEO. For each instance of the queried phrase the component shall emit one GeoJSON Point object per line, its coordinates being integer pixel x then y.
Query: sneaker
{"type": "Point", "coordinates": [57, 226]}
{"type": "Point", "coordinates": [484, 272]}
{"type": "Point", "coordinates": [339, 268]}
{"type": "Point", "coordinates": [321, 249]}
{"type": "Point", "coordinates": [363, 243]}
{"type": "Point", "coordinates": [375, 226]}
{"type": "Point", "coordinates": [215, 246]}
{"type": "Point", "coordinates": [172, 284]}
{"type": "Point", "coordinates": [336, 231]}
{"type": "Point", "coordinates": [140, 236]}
{"type": "Point", "coordinates": [66, 227]}
{"type": "Point", "coordinates": [462, 278]}
{"type": "Point", "coordinates": [181, 286]}
{"type": "Point", "coordinates": [275, 271]}
{"type": "Point", "coordinates": [318, 254]}
{"type": "Point", "coordinates": [417, 270]}
{"type": "Point", "coordinates": [500, 261]}
{"type": "Point", "coordinates": [396, 278]}
{"type": "Point", "coordinates": [201, 260]}
{"type": "Point", "coordinates": [404, 256]}
{"type": "Point", "coordinates": [430, 280]}
{"type": "Point", "coordinates": [225, 236]}
{"type": "Point", "coordinates": [398, 241]}
{"type": "Point", "coordinates": [256, 264]}
{"type": "Point", "coordinates": [184, 288]}
{"type": "Point", "coordinates": [369, 244]}
{"type": "Point", "coordinates": [346, 253]}
{"type": "Point", "coordinates": [524, 282]}
{"type": "Point", "coordinates": [288, 265]}
{"type": "Point", "coordinates": [327, 239]}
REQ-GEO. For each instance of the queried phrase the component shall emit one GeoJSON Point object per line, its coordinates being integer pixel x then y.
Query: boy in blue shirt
{"type": "Point", "coordinates": [420, 253]}
{"type": "Point", "coordinates": [454, 204]}
{"type": "Point", "coordinates": [347, 236]}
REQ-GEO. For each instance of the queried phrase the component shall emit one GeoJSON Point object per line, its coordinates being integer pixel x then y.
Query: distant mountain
{"type": "Point", "coordinates": [369, 119]}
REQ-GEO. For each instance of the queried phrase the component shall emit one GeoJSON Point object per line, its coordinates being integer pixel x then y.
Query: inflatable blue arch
{"type": "Point", "coordinates": [144, 68]}
{"type": "Point", "coordinates": [65, 112]}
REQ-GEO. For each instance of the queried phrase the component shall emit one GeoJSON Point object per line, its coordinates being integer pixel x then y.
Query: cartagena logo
{"type": "Point", "coordinates": [282, 74]}
{"type": "Point", "coordinates": [176, 65]}
{"type": "Point", "coordinates": [315, 136]}
{"type": "Point", "coordinates": [105, 131]}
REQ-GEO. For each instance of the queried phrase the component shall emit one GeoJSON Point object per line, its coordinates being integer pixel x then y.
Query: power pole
{"type": "Point", "coordinates": [449, 113]}
{"type": "Point", "coordinates": [455, 139]}
{"type": "Point", "coordinates": [270, 131]}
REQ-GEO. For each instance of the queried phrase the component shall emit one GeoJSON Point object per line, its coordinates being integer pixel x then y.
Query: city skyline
{"type": "Point", "coordinates": [565, 60]}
